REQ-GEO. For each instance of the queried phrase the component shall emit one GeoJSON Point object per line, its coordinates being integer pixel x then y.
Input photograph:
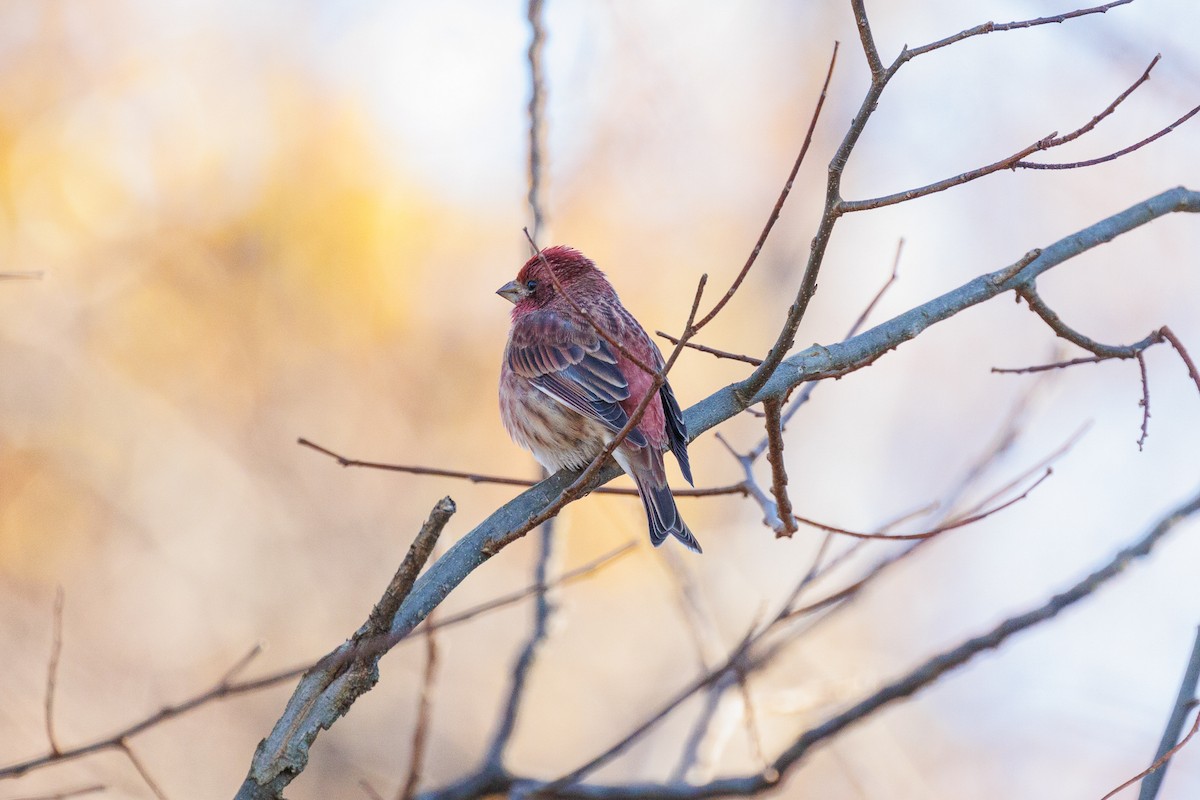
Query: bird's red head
{"type": "Point", "coordinates": [534, 287]}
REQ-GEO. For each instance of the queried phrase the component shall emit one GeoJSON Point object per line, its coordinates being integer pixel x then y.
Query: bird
{"type": "Point", "coordinates": [565, 390]}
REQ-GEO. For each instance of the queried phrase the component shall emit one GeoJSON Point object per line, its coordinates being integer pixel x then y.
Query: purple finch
{"type": "Point", "coordinates": [565, 391]}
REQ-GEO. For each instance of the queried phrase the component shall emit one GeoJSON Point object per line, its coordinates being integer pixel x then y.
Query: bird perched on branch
{"type": "Point", "coordinates": [566, 390]}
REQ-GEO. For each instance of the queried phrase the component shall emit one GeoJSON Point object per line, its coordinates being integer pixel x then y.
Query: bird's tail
{"type": "Point", "coordinates": [663, 515]}
{"type": "Point", "coordinates": [645, 466]}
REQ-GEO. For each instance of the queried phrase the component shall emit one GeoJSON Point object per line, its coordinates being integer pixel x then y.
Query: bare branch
{"type": "Point", "coordinates": [544, 607]}
{"type": "Point", "coordinates": [474, 477]}
{"type": "Point", "coordinates": [537, 108]}
{"type": "Point", "coordinates": [1091, 162]}
{"type": "Point", "coordinates": [52, 671]}
{"type": "Point", "coordinates": [1038, 306]}
{"type": "Point", "coordinates": [712, 350]}
{"type": "Point", "coordinates": [783, 195]}
{"type": "Point", "coordinates": [850, 206]}
{"type": "Point", "coordinates": [125, 748]}
{"type": "Point", "coordinates": [993, 27]}
{"type": "Point", "coordinates": [402, 582]}
{"type": "Point", "coordinates": [1171, 744]}
{"type": "Point", "coordinates": [327, 691]}
{"type": "Point", "coordinates": [1145, 401]}
{"type": "Point", "coordinates": [424, 706]}
{"type": "Point", "coordinates": [221, 690]}
{"type": "Point", "coordinates": [1094, 121]}
{"type": "Point", "coordinates": [1170, 336]}
{"type": "Point", "coordinates": [23, 275]}
{"type": "Point", "coordinates": [779, 479]}
{"type": "Point", "coordinates": [1017, 160]}
{"type": "Point", "coordinates": [867, 39]}
{"type": "Point", "coordinates": [68, 793]}
{"type": "Point", "coordinates": [949, 526]}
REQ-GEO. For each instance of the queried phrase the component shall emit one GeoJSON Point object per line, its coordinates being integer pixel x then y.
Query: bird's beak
{"type": "Point", "coordinates": [511, 291]}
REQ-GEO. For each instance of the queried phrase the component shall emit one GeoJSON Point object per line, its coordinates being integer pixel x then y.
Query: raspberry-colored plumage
{"type": "Point", "coordinates": [565, 391]}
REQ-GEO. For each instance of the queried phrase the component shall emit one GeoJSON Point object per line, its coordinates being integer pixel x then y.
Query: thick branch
{"type": "Point", "coordinates": [327, 691]}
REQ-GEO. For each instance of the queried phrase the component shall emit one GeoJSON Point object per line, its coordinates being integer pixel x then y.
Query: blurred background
{"type": "Point", "coordinates": [278, 219]}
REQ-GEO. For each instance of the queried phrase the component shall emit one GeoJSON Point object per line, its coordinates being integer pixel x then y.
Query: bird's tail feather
{"type": "Point", "coordinates": [664, 516]}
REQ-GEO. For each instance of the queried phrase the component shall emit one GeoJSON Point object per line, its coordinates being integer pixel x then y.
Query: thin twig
{"type": "Point", "coordinates": [779, 478]}
{"type": "Point", "coordinates": [783, 195]}
{"type": "Point", "coordinates": [1170, 336]}
{"type": "Point", "coordinates": [222, 689]}
{"type": "Point", "coordinates": [66, 794]}
{"type": "Point", "coordinates": [537, 106]}
{"type": "Point", "coordinates": [124, 747]}
{"type": "Point", "coordinates": [1091, 162]}
{"type": "Point", "coordinates": [713, 351]}
{"type": "Point", "coordinates": [424, 712]}
{"type": "Point", "coordinates": [993, 27]}
{"type": "Point", "coordinates": [473, 477]}
{"type": "Point", "coordinates": [1037, 305]}
{"type": "Point", "coordinates": [1145, 401]}
{"type": "Point", "coordinates": [1008, 162]}
{"type": "Point", "coordinates": [753, 734]}
{"type": "Point", "coordinates": [895, 275]}
{"type": "Point", "coordinates": [225, 688]}
{"type": "Point", "coordinates": [949, 526]}
{"type": "Point", "coordinates": [544, 608]}
{"type": "Point", "coordinates": [1170, 744]}
{"type": "Point", "coordinates": [1017, 160]}
{"type": "Point", "coordinates": [52, 670]}
{"type": "Point", "coordinates": [22, 275]}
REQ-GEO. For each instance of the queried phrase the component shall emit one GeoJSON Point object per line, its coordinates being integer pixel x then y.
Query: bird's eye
{"type": "Point", "coordinates": [531, 285]}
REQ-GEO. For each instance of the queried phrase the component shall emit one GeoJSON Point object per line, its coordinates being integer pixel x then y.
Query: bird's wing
{"type": "Point", "coordinates": [574, 365]}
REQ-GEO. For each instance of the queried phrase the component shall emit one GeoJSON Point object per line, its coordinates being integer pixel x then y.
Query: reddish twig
{"type": "Point", "coordinates": [906, 537]}
{"type": "Point", "coordinates": [226, 688]}
{"type": "Point", "coordinates": [1168, 746]}
{"type": "Point", "coordinates": [66, 794]}
{"type": "Point", "coordinates": [779, 479]}
{"type": "Point", "coordinates": [473, 477]}
{"type": "Point", "coordinates": [1170, 336]}
{"type": "Point", "coordinates": [52, 670]}
{"type": "Point", "coordinates": [1091, 162]}
{"type": "Point", "coordinates": [783, 195]}
{"type": "Point", "coordinates": [124, 747]}
{"type": "Point", "coordinates": [424, 712]}
{"type": "Point", "coordinates": [1017, 160]}
{"type": "Point", "coordinates": [713, 351]}
{"type": "Point", "coordinates": [223, 688]}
